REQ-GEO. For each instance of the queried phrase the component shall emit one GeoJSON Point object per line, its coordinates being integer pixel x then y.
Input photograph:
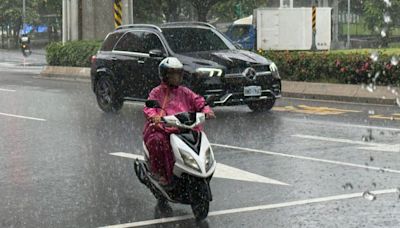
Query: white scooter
{"type": "Point", "coordinates": [194, 164]}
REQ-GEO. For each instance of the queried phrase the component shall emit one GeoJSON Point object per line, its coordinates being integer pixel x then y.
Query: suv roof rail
{"type": "Point", "coordinates": [190, 23]}
{"type": "Point", "coordinates": [139, 26]}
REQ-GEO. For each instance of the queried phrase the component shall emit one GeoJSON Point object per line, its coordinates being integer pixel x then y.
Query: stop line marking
{"type": "Point", "coordinates": [22, 117]}
{"type": "Point", "coordinates": [308, 158]}
{"type": "Point", "coordinates": [256, 208]}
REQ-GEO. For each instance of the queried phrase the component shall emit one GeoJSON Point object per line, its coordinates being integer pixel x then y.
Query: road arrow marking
{"type": "Point", "coordinates": [222, 171]}
{"type": "Point", "coordinates": [314, 110]}
{"type": "Point", "coordinates": [366, 145]}
{"type": "Point", "coordinates": [382, 117]}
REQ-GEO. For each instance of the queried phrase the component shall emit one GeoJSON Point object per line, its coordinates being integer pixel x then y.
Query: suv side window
{"type": "Point", "coordinates": [131, 42]}
{"type": "Point", "coordinates": [151, 41]}
{"type": "Point", "coordinates": [110, 41]}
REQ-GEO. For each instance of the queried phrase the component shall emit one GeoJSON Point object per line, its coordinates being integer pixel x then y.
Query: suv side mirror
{"type": "Point", "coordinates": [156, 53]}
{"type": "Point", "coordinates": [152, 104]}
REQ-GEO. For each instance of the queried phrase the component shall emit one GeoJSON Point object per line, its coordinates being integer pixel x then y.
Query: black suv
{"type": "Point", "coordinates": [126, 66]}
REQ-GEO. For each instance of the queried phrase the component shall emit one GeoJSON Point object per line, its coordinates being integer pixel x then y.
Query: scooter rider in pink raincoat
{"type": "Point", "coordinates": [173, 98]}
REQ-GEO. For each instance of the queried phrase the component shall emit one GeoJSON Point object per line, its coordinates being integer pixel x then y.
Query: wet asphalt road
{"type": "Point", "coordinates": [56, 169]}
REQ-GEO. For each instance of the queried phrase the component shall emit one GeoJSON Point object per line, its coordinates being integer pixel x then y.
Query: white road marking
{"type": "Point", "coordinates": [308, 158]}
{"type": "Point", "coordinates": [7, 90]}
{"type": "Point", "coordinates": [368, 145]}
{"type": "Point", "coordinates": [229, 172]}
{"type": "Point", "coordinates": [128, 155]}
{"type": "Point", "coordinates": [336, 124]}
{"type": "Point", "coordinates": [22, 117]}
{"type": "Point", "coordinates": [255, 208]}
{"type": "Point", "coordinates": [222, 171]}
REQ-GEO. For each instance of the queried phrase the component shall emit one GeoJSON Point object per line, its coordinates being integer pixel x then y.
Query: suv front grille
{"type": "Point", "coordinates": [239, 70]}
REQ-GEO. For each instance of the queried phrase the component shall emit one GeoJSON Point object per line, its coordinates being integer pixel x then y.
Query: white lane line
{"type": "Point", "coordinates": [22, 117]}
{"type": "Point", "coordinates": [222, 171]}
{"type": "Point", "coordinates": [7, 90]}
{"type": "Point", "coordinates": [308, 158]}
{"type": "Point", "coordinates": [368, 145]}
{"type": "Point", "coordinates": [255, 208]}
{"type": "Point", "coordinates": [336, 124]}
{"type": "Point", "coordinates": [336, 140]}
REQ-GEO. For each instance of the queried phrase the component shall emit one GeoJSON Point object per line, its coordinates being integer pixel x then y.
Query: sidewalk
{"type": "Point", "coordinates": [322, 91]}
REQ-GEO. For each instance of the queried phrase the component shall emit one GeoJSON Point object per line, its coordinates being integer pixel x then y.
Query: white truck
{"type": "Point", "coordinates": [283, 29]}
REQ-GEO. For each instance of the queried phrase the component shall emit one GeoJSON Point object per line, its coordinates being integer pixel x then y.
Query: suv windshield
{"type": "Point", "coordinates": [184, 40]}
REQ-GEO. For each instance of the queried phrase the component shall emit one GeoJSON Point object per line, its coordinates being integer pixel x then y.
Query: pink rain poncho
{"type": "Point", "coordinates": [156, 138]}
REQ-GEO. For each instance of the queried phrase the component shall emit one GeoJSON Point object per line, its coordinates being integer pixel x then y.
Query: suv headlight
{"type": "Point", "coordinates": [209, 71]}
{"type": "Point", "coordinates": [209, 159]}
{"type": "Point", "coordinates": [189, 160]}
{"type": "Point", "coordinates": [274, 71]}
{"type": "Point", "coordinates": [273, 67]}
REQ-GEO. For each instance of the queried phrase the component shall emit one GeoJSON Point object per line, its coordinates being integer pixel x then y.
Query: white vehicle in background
{"type": "Point", "coordinates": [282, 29]}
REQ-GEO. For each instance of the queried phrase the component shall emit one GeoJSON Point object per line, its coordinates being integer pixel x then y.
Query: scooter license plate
{"type": "Point", "coordinates": [252, 91]}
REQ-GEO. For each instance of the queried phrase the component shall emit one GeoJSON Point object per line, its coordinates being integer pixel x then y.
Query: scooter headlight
{"type": "Point", "coordinates": [189, 161]}
{"type": "Point", "coordinates": [209, 159]}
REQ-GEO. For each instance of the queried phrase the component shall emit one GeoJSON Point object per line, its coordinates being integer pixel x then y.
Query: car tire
{"type": "Point", "coordinates": [107, 95]}
{"type": "Point", "coordinates": [261, 106]}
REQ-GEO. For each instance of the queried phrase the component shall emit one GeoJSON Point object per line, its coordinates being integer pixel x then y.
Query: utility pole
{"type": "Point", "coordinates": [64, 21]}
{"type": "Point", "coordinates": [348, 24]}
{"type": "Point", "coordinates": [23, 14]}
{"type": "Point", "coordinates": [314, 24]}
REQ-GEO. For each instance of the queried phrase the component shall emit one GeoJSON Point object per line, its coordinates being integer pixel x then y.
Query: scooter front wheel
{"type": "Point", "coordinates": [200, 209]}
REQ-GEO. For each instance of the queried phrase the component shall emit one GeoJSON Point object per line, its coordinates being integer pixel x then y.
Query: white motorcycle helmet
{"type": "Point", "coordinates": [168, 66]}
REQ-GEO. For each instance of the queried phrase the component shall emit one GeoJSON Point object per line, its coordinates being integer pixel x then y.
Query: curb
{"type": "Point", "coordinates": [338, 92]}
{"type": "Point", "coordinates": [307, 90]}
{"type": "Point", "coordinates": [66, 73]}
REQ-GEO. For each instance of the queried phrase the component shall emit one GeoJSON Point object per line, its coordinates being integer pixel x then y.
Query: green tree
{"type": "Point", "coordinates": [11, 13]}
{"type": "Point", "coordinates": [225, 11]}
{"type": "Point", "coordinates": [380, 17]}
{"type": "Point", "coordinates": [202, 7]}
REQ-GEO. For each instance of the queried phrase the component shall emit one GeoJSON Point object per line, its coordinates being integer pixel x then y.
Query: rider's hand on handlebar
{"type": "Point", "coordinates": [155, 119]}
{"type": "Point", "coordinates": [210, 115]}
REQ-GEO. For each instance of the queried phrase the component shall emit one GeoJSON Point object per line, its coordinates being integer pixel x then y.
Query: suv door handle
{"type": "Point", "coordinates": [140, 61]}
{"type": "Point", "coordinates": [114, 59]}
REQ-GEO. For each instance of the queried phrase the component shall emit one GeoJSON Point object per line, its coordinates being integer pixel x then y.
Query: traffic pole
{"type": "Point", "coordinates": [314, 29]}
{"type": "Point", "coordinates": [117, 13]}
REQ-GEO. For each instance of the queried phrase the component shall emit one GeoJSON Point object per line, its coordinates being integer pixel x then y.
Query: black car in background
{"type": "Point", "coordinates": [126, 66]}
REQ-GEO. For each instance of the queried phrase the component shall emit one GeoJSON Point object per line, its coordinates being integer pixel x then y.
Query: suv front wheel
{"type": "Point", "coordinates": [262, 105]}
{"type": "Point", "coordinates": [107, 96]}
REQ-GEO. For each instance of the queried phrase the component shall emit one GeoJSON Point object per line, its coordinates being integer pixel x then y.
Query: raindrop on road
{"type": "Point", "coordinates": [369, 196]}
{"type": "Point", "coordinates": [347, 186]}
